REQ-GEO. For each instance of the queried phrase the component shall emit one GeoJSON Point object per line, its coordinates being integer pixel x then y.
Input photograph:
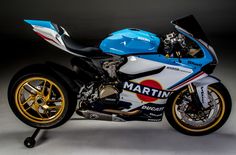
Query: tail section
{"type": "Point", "coordinates": [50, 32]}
{"type": "Point", "coordinates": [57, 36]}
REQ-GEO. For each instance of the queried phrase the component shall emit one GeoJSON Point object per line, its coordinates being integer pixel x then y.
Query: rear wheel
{"type": "Point", "coordinates": [182, 114]}
{"type": "Point", "coordinates": [41, 100]}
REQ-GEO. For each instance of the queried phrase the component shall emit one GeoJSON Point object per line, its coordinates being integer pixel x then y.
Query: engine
{"type": "Point", "coordinates": [100, 98]}
{"type": "Point", "coordinates": [107, 90]}
{"type": "Point", "coordinates": [111, 68]}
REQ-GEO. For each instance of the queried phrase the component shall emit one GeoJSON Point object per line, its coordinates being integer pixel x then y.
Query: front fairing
{"type": "Point", "coordinates": [189, 27]}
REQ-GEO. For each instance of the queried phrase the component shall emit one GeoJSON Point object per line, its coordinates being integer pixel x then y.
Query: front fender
{"type": "Point", "coordinates": [202, 88]}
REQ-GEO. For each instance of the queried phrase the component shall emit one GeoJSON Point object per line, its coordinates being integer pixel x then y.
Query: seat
{"type": "Point", "coordinates": [89, 52]}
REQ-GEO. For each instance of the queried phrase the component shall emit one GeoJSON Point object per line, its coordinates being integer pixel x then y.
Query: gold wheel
{"type": "Point", "coordinates": [214, 116]}
{"type": "Point", "coordinates": [39, 100]}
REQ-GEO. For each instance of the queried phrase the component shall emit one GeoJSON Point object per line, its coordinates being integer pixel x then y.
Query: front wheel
{"type": "Point", "coordinates": [182, 114]}
{"type": "Point", "coordinates": [41, 99]}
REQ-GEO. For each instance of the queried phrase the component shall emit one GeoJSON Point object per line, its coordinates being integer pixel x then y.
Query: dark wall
{"type": "Point", "coordinates": [88, 21]}
{"type": "Point", "coordinates": [93, 19]}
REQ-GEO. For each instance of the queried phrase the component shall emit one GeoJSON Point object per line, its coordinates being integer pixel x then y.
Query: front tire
{"type": "Point", "coordinates": [41, 99]}
{"type": "Point", "coordinates": [202, 122]}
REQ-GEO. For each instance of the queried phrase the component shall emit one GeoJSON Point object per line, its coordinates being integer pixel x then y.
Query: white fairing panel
{"type": "Point", "coordinates": [137, 65]}
{"type": "Point", "coordinates": [169, 76]}
{"type": "Point", "coordinates": [50, 36]}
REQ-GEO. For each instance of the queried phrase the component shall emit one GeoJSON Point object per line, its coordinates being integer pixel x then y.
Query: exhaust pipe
{"type": "Point", "coordinates": [131, 113]}
{"type": "Point", "coordinates": [93, 115]}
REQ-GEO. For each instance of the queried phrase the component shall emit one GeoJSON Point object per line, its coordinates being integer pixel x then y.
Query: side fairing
{"type": "Point", "coordinates": [154, 88]}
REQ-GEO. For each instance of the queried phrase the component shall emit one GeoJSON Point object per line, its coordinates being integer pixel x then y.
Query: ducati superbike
{"type": "Point", "coordinates": [132, 75]}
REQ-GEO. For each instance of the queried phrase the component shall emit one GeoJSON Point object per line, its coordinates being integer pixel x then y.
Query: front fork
{"type": "Point", "coordinates": [199, 91]}
{"type": "Point", "coordinates": [195, 99]}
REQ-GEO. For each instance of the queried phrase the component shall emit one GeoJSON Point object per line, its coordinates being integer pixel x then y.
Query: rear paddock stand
{"type": "Point", "coordinates": [30, 141]}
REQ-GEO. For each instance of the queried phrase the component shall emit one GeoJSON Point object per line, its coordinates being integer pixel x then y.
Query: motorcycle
{"type": "Point", "coordinates": [133, 75]}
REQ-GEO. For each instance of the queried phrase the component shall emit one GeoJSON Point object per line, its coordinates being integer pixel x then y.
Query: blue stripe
{"type": "Point", "coordinates": [41, 23]}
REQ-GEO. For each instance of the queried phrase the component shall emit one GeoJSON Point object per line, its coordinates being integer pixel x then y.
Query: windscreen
{"type": "Point", "coordinates": [190, 24]}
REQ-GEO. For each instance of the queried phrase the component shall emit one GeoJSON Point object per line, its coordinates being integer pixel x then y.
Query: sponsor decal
{"type": "Point", "coordinates": [154, 120]}
{"type": "Point", "coordinates": [156, 115]}
{"type": "Point", "coordinates": [147, 90]}
{"type": "Point", "coordinates": [173, 68]}
{"type": "Point", "coordinates": [152, 108]}
{"type": "Point", "coordinates": [177, 69]}
{"type": "Point", "coordinates": [194, 63]}
{"type": "Point", "coordinates": [152, 111]}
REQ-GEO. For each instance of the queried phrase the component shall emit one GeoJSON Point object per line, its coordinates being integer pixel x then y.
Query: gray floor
{"type": "Point", "coordinates": [99, 137]}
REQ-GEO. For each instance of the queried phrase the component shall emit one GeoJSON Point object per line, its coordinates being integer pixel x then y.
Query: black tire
{"type": "Point", "coordinates": [188, 129]}
{"type": "Point", "coordinates": [69, 97]}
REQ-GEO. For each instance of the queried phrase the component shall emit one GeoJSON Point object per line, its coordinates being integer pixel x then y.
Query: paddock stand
{"type": "Point", "coordinates": [30, 141]}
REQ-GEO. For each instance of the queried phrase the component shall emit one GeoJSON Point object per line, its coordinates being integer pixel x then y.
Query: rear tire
{"type": "Point", "coordinates": [216, 123]}
{"type": "Point", "coordinates": [41, 99]}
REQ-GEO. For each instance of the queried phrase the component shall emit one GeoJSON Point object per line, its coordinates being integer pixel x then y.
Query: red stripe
{"type": "Point", "coordinates": [188, 80]}
{"type": "Point", "coordinates": [46, 38]}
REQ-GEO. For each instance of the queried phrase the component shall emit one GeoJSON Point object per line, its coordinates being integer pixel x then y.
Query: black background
{"type": "Point", "coordinates": [89, 21]}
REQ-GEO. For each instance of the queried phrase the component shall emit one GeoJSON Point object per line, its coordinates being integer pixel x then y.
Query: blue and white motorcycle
{"type": "Point", "coordinates": [132, 75]}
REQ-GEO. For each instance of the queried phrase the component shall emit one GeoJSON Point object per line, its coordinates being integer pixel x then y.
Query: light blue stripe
{"type": "Point", "coordinates": [41, 23]}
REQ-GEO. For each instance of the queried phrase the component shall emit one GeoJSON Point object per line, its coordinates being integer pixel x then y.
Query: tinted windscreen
{"type": "Point", "coordinates": [191, 25]}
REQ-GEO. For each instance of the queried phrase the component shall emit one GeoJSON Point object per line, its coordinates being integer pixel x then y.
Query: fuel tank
{"type": "Point", "coordinates": [130, 41]}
